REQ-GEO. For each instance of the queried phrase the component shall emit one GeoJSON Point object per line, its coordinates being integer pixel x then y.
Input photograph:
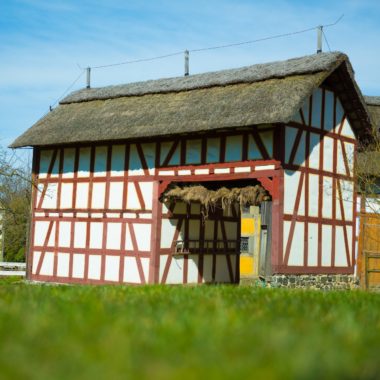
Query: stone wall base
{"type": "Point", "coordinates": [310, 281]}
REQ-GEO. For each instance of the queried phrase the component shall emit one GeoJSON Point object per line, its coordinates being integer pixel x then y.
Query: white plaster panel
{"type": "Point", "coordinates": [312, 258]}
{"type": "Point", "coordinates": [78, 265]}
{"type": "Point", "coordinates": [135, 166]}
{"type": "Point", "coordinates": [45, 159]}
{"type": "Point", "coordinates": [193, 151]}
{"type": "Point", "coordinates": [113, 236]}
{"type": "Point", "coordinates": [328, 153]}
{"type": "Point", "coordinates": [253, 149]}
{"type": "Point", "coordinates": [267, 139]}
{"type": "Point", "coordinates": [347, 130]}
{"type": "Point", "coordinates": [327, 199]}
{"type": "Point", "coordinates": [339, 112]}
{"type": "Point", "coordinates": [145, 267]}
{"type": "Point", "coordinates": [291, 182]}
{"type": "Point", "coordinates": [68, 163]}
{"type": "Point", "coordinates": [36, 259]}
{"type": "Point", "coordinates": [63, 264]}
{"type": "Point", "coordinates": [111, 272]}
{"type": "Point", "coordinates": [350, 238]}
{"type": "Point", "coordinates": [314, 151]}
{"type": "Point", "coordinates": [329, 111]}
{"type": "Point", "coordinates": [50, 198]}
{"type": "Point", "coordinates": [128, 239]}
{"type": "Point", "coordinates": [115, 201]}
{"type": "Point", "coordinates": [305, 111]}
{"type": "Point", "coordinates": [340, 249]}
{"type": "Point", "coordinates": [299, 158]}
{"type": "Point", "coordinates": [221, 271]}
{"type": "Point", "coordinates": [192, 269]}
{"type": "Point", "coordinates": [165, 148]}
{"type": "Point", "coordinates": [66, 195]}
{"type": "Point", "coordinates": [131, 272]}
{"type": "Point", "coordinates": [98, 195]}
{"type": "Point", "coordinates": [81, 201]}
{"type": "Point", "coordinates": [341, 169]}
{"type": "Point", "coordinates": [64, 234]}
{"type": "Point", "coordinates": [142, 233]}
{"type": "Point", "coordinates": [48, 264]}
{"type": "Point", "coordinates": [316, 108]}
{"type": "Point", "coordinates": [168, 228]}
{"type": "Point", "coordinates": [234, 145]}
{"type": "Point", "coordinates": [149, 151]}
{"type": "Point", "coordinates": [117, 160]}
{"type": "Point", "coordinates": [40, 232]}
{"type": "Point", "coordinates": [207, 268]}
{"type": "Point", "coordinates": [133, 202]}
{"type": "Point", "coordinates": [80, 234]}
{"type": "Point", "coordinates": [84, 162]}
{"type": "Point", "coordinates": [96, 234]}
{"type": "Point", "coordinates": [147, 193]}
{"type": "Point", "coordinates": [313, 194]}
{"type": "Point", "coordinates": [94, 267]}
{"type": "Point", "coordinates": [326, 245]}
{"type": "Point", "coordinates": [100, 165]}
{"type": "Point", "coordinates": [338, 213]}
{"type": "Point", "coordinates": [297, 246]}
{"type": "Point", "coordinates": [350, 152]}
{"type": "Point", "coordinates": [175, 273]}
{"type": "Point", "coordinates": [348, 199]}
{"type": "Point", "coordinates": [213, 150]}
{"type": "Point", "coordinates": [163, 261]}
{"type": "Point", "coordinates": [290, 136]}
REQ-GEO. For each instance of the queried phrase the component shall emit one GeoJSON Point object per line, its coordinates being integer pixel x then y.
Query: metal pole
{"type": "Point", "coordinates": [186, 63]}
{"type": "Point", "coordinates": [88, 70]}
{"type": "Point", "coordinates": [319, 39]}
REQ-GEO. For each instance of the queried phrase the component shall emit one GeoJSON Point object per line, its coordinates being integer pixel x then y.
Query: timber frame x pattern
{"type": "Point", "coordinates": [97, 216]}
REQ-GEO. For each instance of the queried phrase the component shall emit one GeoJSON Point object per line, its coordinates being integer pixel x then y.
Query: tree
{"type": "Point", "coordinates": [15, 196]}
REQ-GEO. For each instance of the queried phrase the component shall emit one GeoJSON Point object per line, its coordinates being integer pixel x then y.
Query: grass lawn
{"type": "Point", "coordinates": [210, 332]}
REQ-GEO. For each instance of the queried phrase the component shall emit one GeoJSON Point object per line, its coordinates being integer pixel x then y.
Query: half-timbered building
{"type": "Point", "coordinates": [108, 163]}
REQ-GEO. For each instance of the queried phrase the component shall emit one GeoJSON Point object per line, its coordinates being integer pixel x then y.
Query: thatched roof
{"type": "Point", "coordinates": [259, 94]}
{"type": "Point", "coordinates": [373, 103]}
{"type": "Point", "coordinates": [222, 197]}
{"type": "Point", "coordinates": [368, 164]}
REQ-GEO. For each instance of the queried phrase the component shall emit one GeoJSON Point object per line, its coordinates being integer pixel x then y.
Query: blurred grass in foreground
{"type": "Point", "coordinates": [213, 332]}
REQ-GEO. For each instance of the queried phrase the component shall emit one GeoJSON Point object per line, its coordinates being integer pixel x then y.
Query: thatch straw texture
{"type": "Point", "coordinates": [368, 164]}
{"type": "Point", "coordinates": [373, 103]}
{"type": "Point", "coordinates": [223, 197]}
{"type": "Point", "coordinates": [259, 94]}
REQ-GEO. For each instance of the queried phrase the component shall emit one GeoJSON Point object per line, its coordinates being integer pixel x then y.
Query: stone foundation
{"type": "Point", "coordinates": [309, 281]}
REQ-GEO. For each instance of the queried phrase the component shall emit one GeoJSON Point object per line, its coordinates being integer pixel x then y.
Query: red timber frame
{"type": "Point", "coordinates": [266, 170]}
{"type": "Point", "coordinates": [305, 128]}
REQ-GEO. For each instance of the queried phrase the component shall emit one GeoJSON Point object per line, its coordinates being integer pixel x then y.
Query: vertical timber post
{"type": "Point", "coordinates": [186, 63]}
{"type": "Point", "coordinates": [88, 79]}
{"type": "Point", "coordinates": [319, 39]}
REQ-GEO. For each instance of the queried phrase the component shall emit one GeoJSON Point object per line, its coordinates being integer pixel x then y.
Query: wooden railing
{"type": "Point", "coordinates": [12, 269]}
{"type": "Point", "coordinates": [204, 247]}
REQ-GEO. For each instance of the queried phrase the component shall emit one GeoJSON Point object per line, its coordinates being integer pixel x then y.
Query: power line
{"type": "Point", "coordinates": [68, 89]}
{"type": "Point", "coordinates": [220, 46]}
{"type": "Point", "coordinates": [325, 38]}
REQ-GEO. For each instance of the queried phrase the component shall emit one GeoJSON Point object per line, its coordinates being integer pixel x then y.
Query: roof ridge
{"type": "Point", "coordinates": [247, 74]}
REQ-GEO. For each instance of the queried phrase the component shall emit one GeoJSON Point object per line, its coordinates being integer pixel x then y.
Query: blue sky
{"type": "Point", "coordinates": [44, 42]}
